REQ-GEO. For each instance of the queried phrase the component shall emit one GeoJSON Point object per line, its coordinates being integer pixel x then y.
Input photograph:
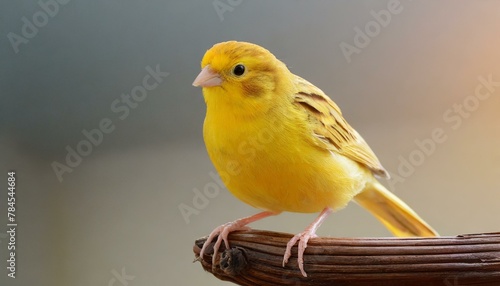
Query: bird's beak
{"type": "Point", "coordinates": [207, 77]}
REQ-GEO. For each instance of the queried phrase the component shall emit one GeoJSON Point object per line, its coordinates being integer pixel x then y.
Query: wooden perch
{"type": "Point", "coordinates": [255, 258]}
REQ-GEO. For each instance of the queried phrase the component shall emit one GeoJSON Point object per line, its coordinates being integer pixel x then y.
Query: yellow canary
{"type": "Point", "coordinates": [280, 144]}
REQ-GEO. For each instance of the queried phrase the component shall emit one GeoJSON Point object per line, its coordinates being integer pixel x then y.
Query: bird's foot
{"type": "Point", "coordinates": [303, 238]}
{"type": "Point", "coordinates": [222, 233]}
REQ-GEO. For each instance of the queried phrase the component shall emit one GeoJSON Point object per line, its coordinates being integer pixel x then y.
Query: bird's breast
{"type": "Point", "coordinates": [269, 164]}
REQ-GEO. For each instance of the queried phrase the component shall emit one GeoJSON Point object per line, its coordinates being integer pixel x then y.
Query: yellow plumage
{"type": "Point", "coordinates": [280, 144]}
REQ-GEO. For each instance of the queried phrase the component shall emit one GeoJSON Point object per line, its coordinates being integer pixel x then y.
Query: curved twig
{"type": "Point", "coordinates": [255, 258]}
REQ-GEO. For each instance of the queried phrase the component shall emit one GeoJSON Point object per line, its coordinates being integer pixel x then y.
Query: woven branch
{"type": "Point", "coordinates": [255, 258]}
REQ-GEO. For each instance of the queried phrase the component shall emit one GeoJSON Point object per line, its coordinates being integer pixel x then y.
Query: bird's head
{"type": "Point", "coordinates": [241, 73]}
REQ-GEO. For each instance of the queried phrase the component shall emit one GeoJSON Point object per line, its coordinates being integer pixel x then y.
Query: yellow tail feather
{"type": "Point", "coordinates": [397, 216]}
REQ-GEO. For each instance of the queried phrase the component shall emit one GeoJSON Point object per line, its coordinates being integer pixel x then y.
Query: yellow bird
{"type": "Point", "coordinates": [280, 144]}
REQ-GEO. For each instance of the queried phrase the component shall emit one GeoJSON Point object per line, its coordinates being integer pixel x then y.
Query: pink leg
{"type": "Point", "coordinates": [224, 230]}
{"type": "Point", "coordinates": [303, 238]}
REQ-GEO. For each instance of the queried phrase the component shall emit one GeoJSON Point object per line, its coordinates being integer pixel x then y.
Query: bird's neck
{"type": "Point", "coordinates": [227, 107]}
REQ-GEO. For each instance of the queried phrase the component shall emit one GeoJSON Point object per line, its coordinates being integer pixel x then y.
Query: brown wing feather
{"type": "Point", "coordinates": [331, 131]}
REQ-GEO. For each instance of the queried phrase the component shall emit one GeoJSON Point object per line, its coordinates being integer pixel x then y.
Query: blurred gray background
{"type": "Point", "coordinates": [117, 213]}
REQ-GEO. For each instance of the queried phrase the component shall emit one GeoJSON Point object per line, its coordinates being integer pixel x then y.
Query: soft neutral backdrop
{"type": "Point", "coordinates": [118, 212]}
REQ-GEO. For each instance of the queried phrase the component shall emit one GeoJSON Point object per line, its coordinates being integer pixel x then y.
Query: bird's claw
{"type": "Point", "coordinates": [222, 233]}
{"type": "Point", "coordinates": [303, 238]}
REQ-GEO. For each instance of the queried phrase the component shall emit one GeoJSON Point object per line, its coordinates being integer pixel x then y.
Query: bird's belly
{"type": "Point", "coordinates": [272, 176]}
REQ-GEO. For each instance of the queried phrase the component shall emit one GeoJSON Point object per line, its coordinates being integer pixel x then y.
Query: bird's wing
{"type": "Point", "coordinates": [330, 130]}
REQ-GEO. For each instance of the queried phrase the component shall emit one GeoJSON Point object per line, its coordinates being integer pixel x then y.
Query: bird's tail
{"type": "Point", "coordinates": [397, 216]}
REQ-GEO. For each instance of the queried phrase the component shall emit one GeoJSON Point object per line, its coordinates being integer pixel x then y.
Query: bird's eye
{"type": "Point", "coordinates": [239, 69]}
